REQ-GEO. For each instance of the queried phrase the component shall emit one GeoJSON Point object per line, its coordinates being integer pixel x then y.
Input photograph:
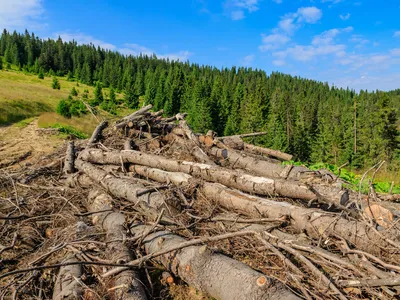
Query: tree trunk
{"type": "Point", "coordinates": [213, 274]}
{"type": "Point", "coordinates": [231, 178]}
{"type": "Point", "coordinates": [128, 281]}
{"type": "Point", "coordinates": [267, 151]}
{"type": "Point", "coordinates": [67, 286]}
{"type": "Point", "coordinates": [69, 161]}
{"type": "Point", "coordinates": [97, 133]}
{"type": "Point", "coordinates": [124, 121]}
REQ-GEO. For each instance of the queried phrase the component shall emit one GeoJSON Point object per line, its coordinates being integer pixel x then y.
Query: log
{"type": "Point", "coordinates": [69, 161]}
{"type": "Point", "coordinates": [148, 203]}
{"type": "Point", "coordinates": [231, 178]}
{"type": "Point", "coordinates": [177, 117]}
{"type": "Point", "coordinates": [267, 151]}
{"type": "Point", "coordinates": [213, 274]}
{"type": "Point", "coordinates": [67, 286]}
{"type": "Point", "coordinates": [97, 133]}
{"type": "Point", "coordinates": [390, 281]}
{"type": "Point", "coordinates": [128, 283]}
{"type": "Point", "coordinates": [314, 222]}
{"type": "Point", "coordinates": [124, 121]}
{"type": "Point", "coordinates": [243, 135]}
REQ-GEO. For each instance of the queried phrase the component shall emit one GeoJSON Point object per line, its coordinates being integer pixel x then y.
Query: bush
{"type": "Point", "coordinates": [41, 74]}
{"type": "Point", "coordinates": [1, 63]}
{"type": "Point", "coordinates": [55, 84]}
{"type": "Point", "coordinates": [70, 77]}
{"type": "Point", "coordinates": [63, 108]}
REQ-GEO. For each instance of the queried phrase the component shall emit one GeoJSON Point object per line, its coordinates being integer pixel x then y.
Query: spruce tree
{"type": "Point", "coordinates": [55, 84]}
{"type": "Point", "coordinates": [1, 63]}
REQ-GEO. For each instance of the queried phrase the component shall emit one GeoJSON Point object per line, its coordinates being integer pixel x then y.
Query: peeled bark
{"type": "Point", "coordinates": [315, 223]}
{"type": "Point", "coordinates": [97, 133]}
{"type": "Point", "coordinates": [128, 283]}
{"type": "Point", "coordinates": [267, 151]}
{"type": "Point", "coordinates": [148, 203]}
{"type": "Point", "coordinates": [124, 121]}
{"type": "Point", "coordinates": [231, 178]}
{"type": "Point", "coordinates": [69, 158]}
{"type": "Point", "coordinates": [213, 274]}
{"type": "Point", "coordinates": [67, 286]}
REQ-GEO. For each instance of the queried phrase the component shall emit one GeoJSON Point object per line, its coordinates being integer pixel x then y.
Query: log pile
{"type": "Point", "coordinates": [147, 209]}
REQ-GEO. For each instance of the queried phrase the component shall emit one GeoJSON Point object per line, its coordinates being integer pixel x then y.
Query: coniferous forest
{"type": "Point", "coordinates": [309, 119]}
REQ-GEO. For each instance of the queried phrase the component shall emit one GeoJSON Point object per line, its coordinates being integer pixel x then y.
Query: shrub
{"type": "Point", "coordinates": [74, 92]}
{"type": "Point", "coordinates": [55, 84]}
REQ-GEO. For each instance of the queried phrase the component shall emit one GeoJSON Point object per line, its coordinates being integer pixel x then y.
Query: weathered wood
{"type": "Point", "coordinates": [213, 274]}
{"type": "Point", "coordinates": [231, 178]}
{"type": "Point", "coordinates": [266, 151]}
{"type": "Point", "coordinates": [97, 133]}
{"type": "Point", "coordinates": [243, 135]}
{"type": "Point", "coordinates": [128, 283]}
{"type": "Point", "coordinates": [124, 121]}
{"type": "Point", "coordinates": [67, 286]}
{"type": "Point", "coordinates": [69, 161]}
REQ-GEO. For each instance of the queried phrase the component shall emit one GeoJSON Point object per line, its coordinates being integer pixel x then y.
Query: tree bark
{"type": "Point", "coordinates": [97, 133]}
{"type": "Point", "coordinates": [128, 281]}
{"type": "Point", "coordinates": [66, 286]}
{"type": "Point", "coordinates": [231, 178]}
{"type": "Point", "coordinates": [69, 161]}
{"type": "Point", "coordinates": [124, 121]}
{"type": "Point", "coordinates": [267, 151]}
{"type": "Point", "coordinates": [148, 203]}
{"type": "Point", "coordinates": [213, 274]}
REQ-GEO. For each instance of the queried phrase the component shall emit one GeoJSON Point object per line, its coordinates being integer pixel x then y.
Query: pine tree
{"type": "Point", "coordinates": [139, 84]}
{"type": "Point", "coordinates": [74, 92]}
{"type": "Point", "coordinates": [1, 63]}
{"type": "Point", "coordinates": [70, 76]}
{"type": "Point", "coordinates": [55, 84]}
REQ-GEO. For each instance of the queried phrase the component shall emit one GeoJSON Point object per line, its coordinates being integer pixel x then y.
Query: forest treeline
{"type": "Point", "coordinates": [309, 119]}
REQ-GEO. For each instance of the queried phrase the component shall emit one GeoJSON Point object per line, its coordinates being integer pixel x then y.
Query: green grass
{"type": "Point", "coordinates": [382, 185]}
{"type": "Point", "coordinates": [25, 95]}
{"type": "Point", "coordinates": [24, 123]}
{"type": "Point", "coordinates": [69, 130]}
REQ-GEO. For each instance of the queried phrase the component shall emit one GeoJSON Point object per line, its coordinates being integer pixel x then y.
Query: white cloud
{"type": "Point", "coordinates": [345, 16]}
{"type": "Point", "coordinates": [278, 1]}
{"type": "Point", "coordinates": [237, 8]}
{"type": "Point", "coordinates": [82, 38]}
{"type": "Point", "coordinates": [273, 41]}
{"type": "Point", "coordinates": [250, 5]}
{"type": "Point", "coordinates": [331, 1]}
{"type": "Point", "coordinates": [397, 34]}
{"type": "Point", "coordinates": [20, 14]}
{"type": "Point", "coordinates": [278, 62]}
{"type": "Point", "coordinates": [247, 60]}
{"type": "Point", "coordinates": [359, 40]}
{"type": "Point", "coordinates": [328, 36]}
{"type": "Point", "coordinates": [135, 49]}
{"type": "Point", "coordinates": [395, 52]}
{"type": "Point", "coordinates": [309, 14]}
{"type": "Point", "coordinates": [292, 21]}
{"type": "Point", "coordinates": [237, 15]}
{"type": "Point", "coordinates": [308, 53]}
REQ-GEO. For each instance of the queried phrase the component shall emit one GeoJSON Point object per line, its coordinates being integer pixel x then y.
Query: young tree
{"type": "Point", "coordinates": [1, 63]}
{"type": "Point", "coordinates": [74, 92]}
{"type": "Point", "coordinates": [70, 77]}
{"type": "Point", "coordinates": [55, 84]}
{"type": "Point", "coordinates": [63, 108]}
{"type": "Point", "coordinates": [41, 74]}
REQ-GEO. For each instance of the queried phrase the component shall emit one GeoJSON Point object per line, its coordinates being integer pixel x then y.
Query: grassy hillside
{"type": "Point", "coordinates": [23, 96]}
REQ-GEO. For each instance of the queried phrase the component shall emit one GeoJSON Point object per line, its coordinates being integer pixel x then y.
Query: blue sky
{"type": "Point", "coordinates": [344, 42]}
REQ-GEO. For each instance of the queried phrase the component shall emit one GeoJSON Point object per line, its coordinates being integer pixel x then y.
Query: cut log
{"type": "Point", "coordinates": [124, 121]}
{"type": "Point", "coordinates": [231, 178]}
{"type": "Point", "coordinates": [148, 203]}
{"type": "Point", "coordinates": [128, 283]}
{"type": "Point", "coordinates": [69, 161]}
{"type": "Point", "coordinates": [213, 274]}
{"type": "Point", "coordinates": [97, 133]}
{"type": "Point", "coordinates": [267, 151]}
{"type": "Point", "coordinates": [67, 286]}
{"type": "Point", "coordinates": [177, 117]}
{"type": "Point", "coordinates": [243, 135]}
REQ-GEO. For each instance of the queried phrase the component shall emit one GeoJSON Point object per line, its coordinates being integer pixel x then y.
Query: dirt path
{"type": "Point", "coordinates": [19, 146]}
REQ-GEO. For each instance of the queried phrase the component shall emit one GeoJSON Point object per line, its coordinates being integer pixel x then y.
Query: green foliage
{"type": "Point", "coordinates": [85, 94]}
{"type": "Point", "coordinates": [71, 107]}
{"type": "Point", "coordinates": [41, 74]}
{"type": "Point", "coordinates": [70, 77]}
{"type": "Point", "coordinates": [55, 83]}
{"type": "Point", "coordinates": [98, 94]}
{"type": "Point", "coordinates": [74, 92]}
{"type": "Point", "coordinates": [24, 123]}
{"type": "Point", "coordinates": [69, 130]}
{"type": "Point", "coordinates": [1, 63]}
